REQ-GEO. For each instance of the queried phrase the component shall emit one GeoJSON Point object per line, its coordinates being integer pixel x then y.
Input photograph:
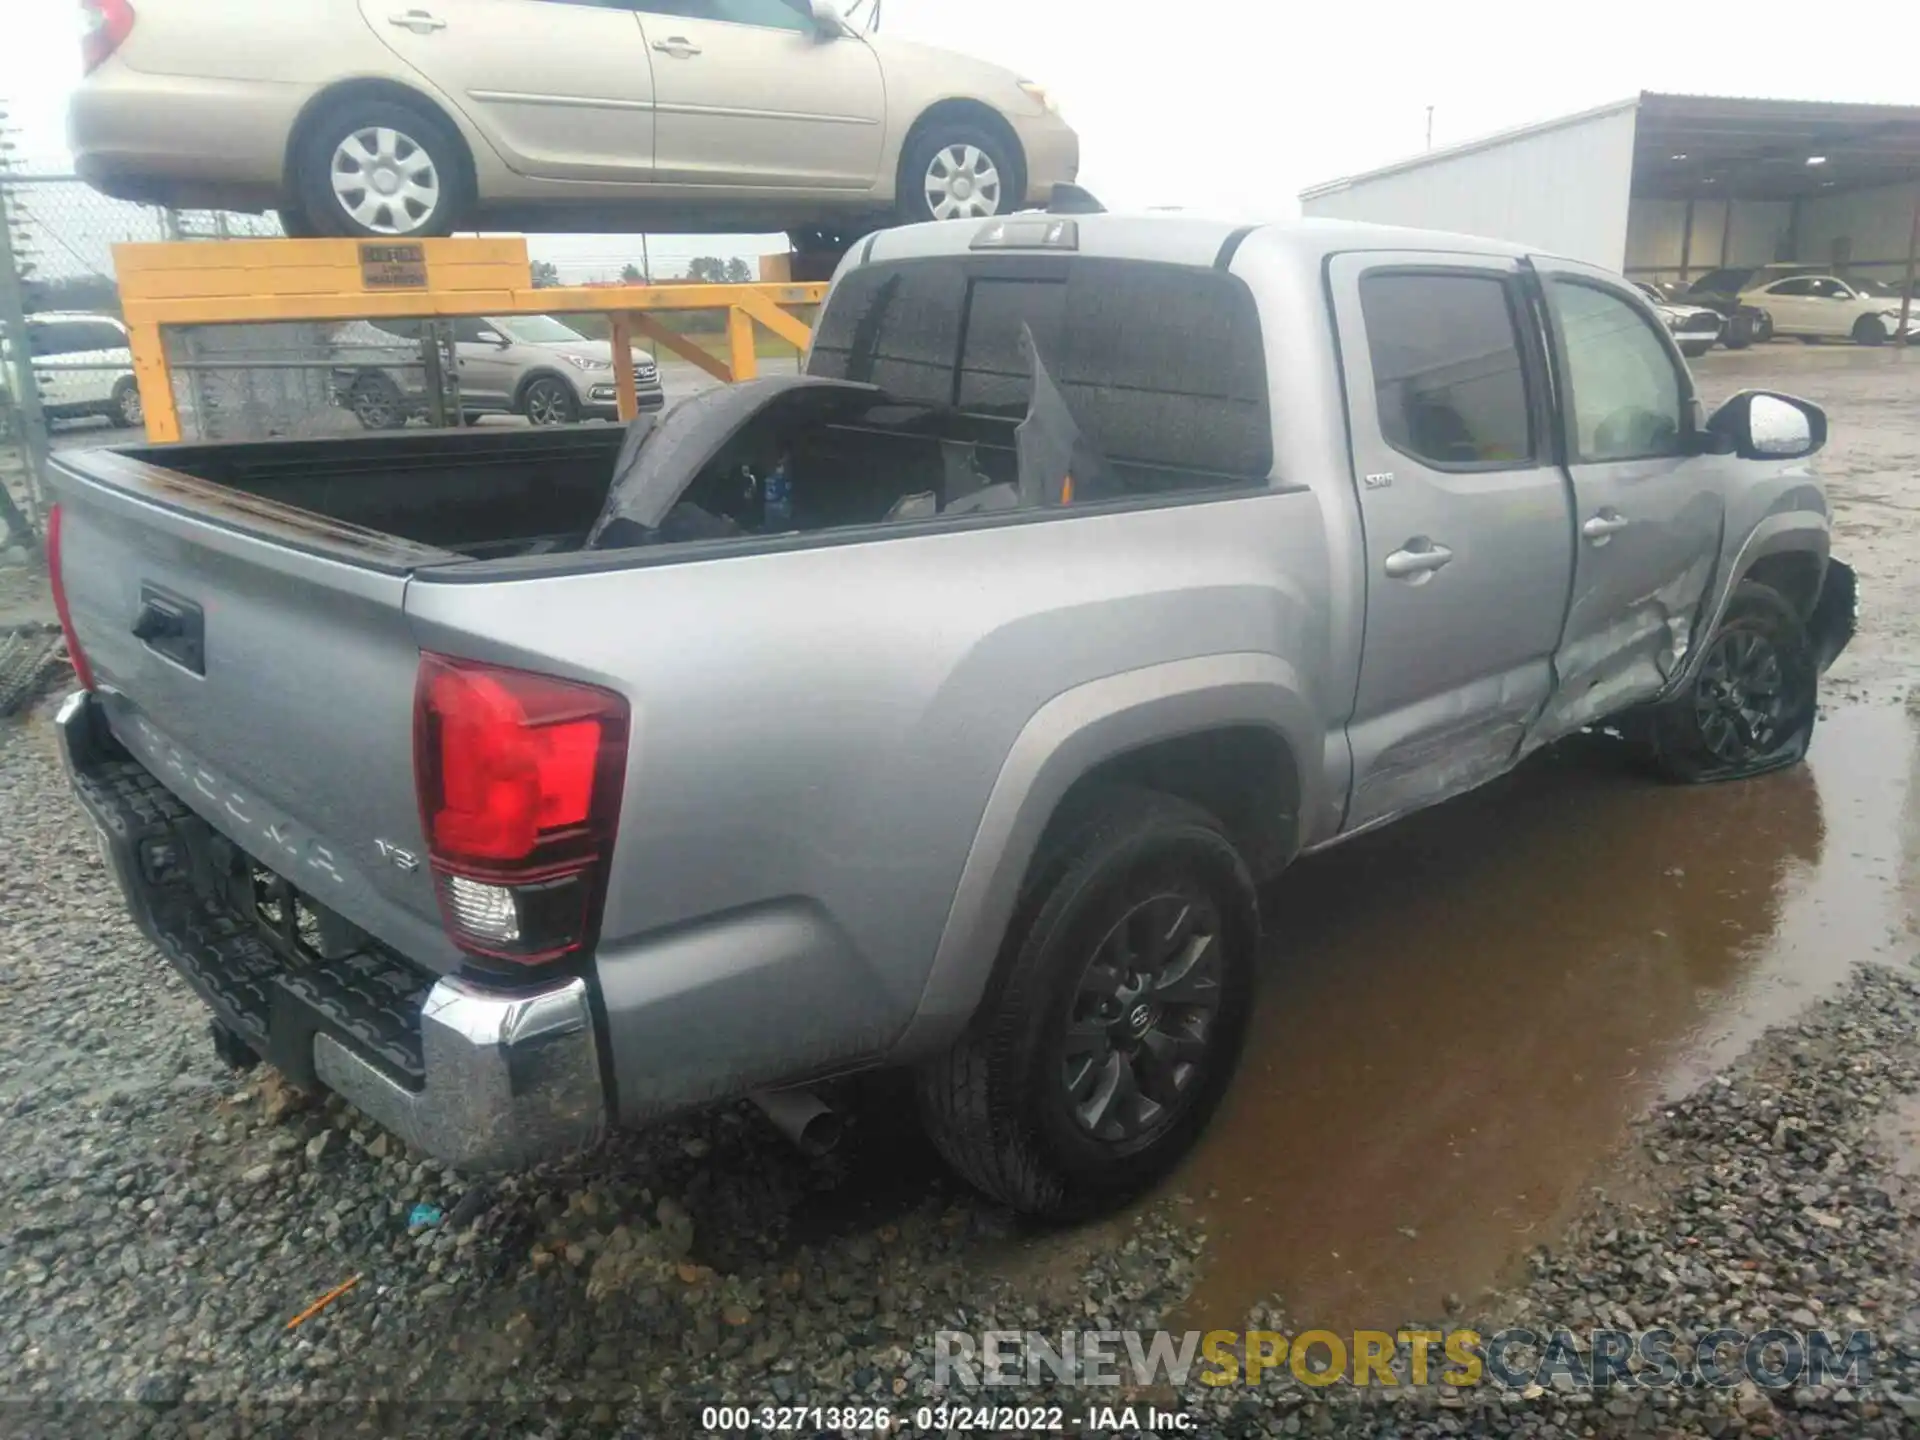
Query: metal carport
{"type": "Point", "coordinates": [1670, 186]}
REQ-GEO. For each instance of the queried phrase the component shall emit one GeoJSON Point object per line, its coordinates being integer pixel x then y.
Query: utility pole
{"type": "Point", "coordinates": [25, 388]}
{"type": "Point", "coordinates": [1913, 250]}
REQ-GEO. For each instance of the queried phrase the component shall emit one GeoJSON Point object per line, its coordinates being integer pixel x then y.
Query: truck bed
{"type": "Point", "coordinates": [485, 491]}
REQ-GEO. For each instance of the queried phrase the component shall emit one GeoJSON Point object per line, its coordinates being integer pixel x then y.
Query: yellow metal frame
{"type": "Point", "coordinates": [236, 282]}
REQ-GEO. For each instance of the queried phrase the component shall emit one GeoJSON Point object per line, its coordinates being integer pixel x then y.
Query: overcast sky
{"type": "Point", "coordinates": [1235, 107]}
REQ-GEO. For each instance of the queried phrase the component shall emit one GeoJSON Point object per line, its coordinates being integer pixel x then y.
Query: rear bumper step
{"type": "Point", "coordinates": [478, 1078]}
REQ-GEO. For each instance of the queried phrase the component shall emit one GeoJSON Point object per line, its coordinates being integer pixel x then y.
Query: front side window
{"type": "Point", "coordinates": [1625, 397]}
{"type": "Point", "coordinates": [1791, 287]}
{"type": "Point", "coordinates": [1449, 383]}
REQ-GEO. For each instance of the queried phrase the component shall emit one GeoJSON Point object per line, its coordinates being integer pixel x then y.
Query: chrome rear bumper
{"type": "Point", "coordinates": [479, 1078]}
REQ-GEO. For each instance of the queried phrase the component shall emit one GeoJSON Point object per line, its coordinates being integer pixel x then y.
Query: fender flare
{"type": "Point", "coordinates": [1784, 531]}
{"type": "Point", "coordinates": [1064, 740]}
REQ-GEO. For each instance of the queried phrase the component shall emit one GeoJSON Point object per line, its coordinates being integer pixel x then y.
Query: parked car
{"type": "Point", "coordinates": [531, 365]}
{"type": "Point", "coordinates": [1825, 307]}
{"type": "Point", "coordinates": [940, 707]}
{"type": "Point", "coordinates": [1696, 328]}
{"type": "Point", "coordinates": [82, 366]}
{"type": "Point", "coordinates": [1722, 290]}
{"type": "Point", "coordinates": [420, 118]}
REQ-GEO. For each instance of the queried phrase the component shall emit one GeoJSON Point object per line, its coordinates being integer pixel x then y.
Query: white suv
{"type": "Point", "coordinates": [82, 366]}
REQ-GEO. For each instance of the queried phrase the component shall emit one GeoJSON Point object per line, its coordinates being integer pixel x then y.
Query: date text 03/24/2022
{"type": "Point", "coordinates": [938, 1419]}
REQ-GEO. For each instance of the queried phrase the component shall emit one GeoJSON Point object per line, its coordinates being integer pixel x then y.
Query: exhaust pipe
{"type": "Point", "coordinates": [803, 1117]}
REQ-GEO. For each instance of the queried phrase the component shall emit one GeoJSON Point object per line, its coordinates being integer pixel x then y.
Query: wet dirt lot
{"type": "Point", "coordinates": [1460, 1019]}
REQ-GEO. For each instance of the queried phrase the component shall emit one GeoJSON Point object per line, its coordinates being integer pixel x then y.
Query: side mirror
{"type": "Point", "coordinates": [827, 19]}
{"type": "Point", "coordinates": [1762, 425]}
{"type": "Point", "coordinates": [494, 337]}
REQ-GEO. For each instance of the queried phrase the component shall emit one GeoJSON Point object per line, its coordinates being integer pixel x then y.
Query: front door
{"type": "Point", "coordinates": [1648, 512]}
{"type": "Point", "coordinates": [1469, 551]}
{"type": "Point", "coordinates": [751, 94]}
{"type": "Point", "coordinates": [562, 88]}
{"type": "Point", "coordinates": [484, 354]}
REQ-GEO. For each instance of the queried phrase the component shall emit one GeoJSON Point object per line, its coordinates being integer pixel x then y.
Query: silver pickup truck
{"type": "Point", "coordinates": [942, 707]}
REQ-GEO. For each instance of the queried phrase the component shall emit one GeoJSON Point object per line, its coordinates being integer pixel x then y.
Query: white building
{"type": "Point", "coordinates": [1671, 186]}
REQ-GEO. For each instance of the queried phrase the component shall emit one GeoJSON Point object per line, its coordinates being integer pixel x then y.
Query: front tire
{"type": "Point", "coordinates": [1116, 1015]}
{"type": "Point", "coordinates": [957, 171]}
{"type": "Point", "coordinates": [1751, 704]}
{"type": "Point", "coordinates": [372, 168]}
{"type": "Point", "coordinates": [1870, 330]}
{"type": "Point", "coordinates": [549, 400]}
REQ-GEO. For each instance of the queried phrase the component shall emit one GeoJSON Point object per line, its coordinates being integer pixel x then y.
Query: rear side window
{"type": "Point", "coordinates": [1161, 365]}
{"type": "Point", "coordinates": [73, 337]}
{"type": "Point", "coordinates": [1449, 383]}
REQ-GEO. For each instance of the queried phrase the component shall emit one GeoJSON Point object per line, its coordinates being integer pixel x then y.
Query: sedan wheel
{"type": "Point", "coordinates": [1871, 330]}
{"type": "Point", "coordinates": [962, 183]}
{"type": "Point", "coordinates": [385, 180]}
{"type": "Point", "coordinates": [958, 173]}
{"type": "Point", "coordinates": [378, 169]}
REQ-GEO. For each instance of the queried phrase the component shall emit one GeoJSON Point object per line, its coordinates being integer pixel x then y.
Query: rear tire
{"type": "Point", "coordinates": [1750, 707]}
{"type": "Point", "coordinates": [383, 144]}
{"type": "Point", "coordinates": [1116, 1015]}
{"type": "Point", "coordinates": [1870, 330]}
{"type": "Point", "coordinates": [126, 409]}
{"type": "Point", "coordinates": [377, 403]}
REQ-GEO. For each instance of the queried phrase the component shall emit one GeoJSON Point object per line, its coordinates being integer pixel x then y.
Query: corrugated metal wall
{"type": "Point", "coordinates": [1863, 232]}
{"type": "Point", "coordinates": [1656, 235]}
{"type": "Point", "coordinates": [1561, 189]}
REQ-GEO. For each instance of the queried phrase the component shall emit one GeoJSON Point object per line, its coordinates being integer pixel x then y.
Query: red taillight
{"type": "Point", "coordinates": [56, 575]}
{"type": "Point", "coordinates": [519, 780]}
{"type": "Point", "coordinates": [108, 22]}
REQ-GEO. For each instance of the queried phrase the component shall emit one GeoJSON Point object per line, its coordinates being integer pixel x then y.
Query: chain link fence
{"type": "Point", "coordinates": [72, 382]}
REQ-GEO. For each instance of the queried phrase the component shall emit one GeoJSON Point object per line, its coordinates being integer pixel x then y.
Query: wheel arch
{"type": "Point", "coordinates": [1788, 550]}
{"type": "Point", "coordinates": [963, 110]}
{"type": "Point", "coordinates": [1230, 733]}
{"type": "Point", "coordinates": [373, 87]}
{"type": "Point", "coordinates": [538, 373]}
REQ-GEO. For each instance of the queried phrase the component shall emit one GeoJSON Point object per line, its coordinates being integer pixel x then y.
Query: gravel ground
{"type": "Point", "coordinates": [162, 1220]}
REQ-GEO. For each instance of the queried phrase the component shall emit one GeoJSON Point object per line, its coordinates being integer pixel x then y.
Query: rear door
{"type": "Point", "coordinates": [1791, 304]}
{"type": "Point", "coordinates": [1648, 512]}
{"type": "Point", "coordinates": [562, 88]}
{"type": "Point", "coordinates": [751, 94]}
{"type": "Point", "coordinates": [1468, 536]}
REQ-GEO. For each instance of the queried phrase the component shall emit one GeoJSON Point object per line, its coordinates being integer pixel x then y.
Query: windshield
{"type": "Point", "coordinates": [536, 330]}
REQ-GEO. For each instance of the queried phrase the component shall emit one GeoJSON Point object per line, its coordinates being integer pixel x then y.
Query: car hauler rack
{"type": "Point", "coordinates": [239, 282]}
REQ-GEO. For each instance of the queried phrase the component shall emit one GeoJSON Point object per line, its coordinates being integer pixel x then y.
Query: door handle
{"type": "Point", "coordinates": [1604, 526]}
{"type": "Point", "coordinates": [677, 46]}
{"type": "Point", "coordinates": [1418, 560]}
{"type": "Point", "coordinates": [418, 21]}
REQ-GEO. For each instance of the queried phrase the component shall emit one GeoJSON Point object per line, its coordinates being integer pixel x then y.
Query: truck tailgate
{"type": "Point", "coordinates": [258, 660]}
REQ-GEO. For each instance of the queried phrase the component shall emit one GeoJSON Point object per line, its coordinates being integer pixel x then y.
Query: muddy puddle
{"type": "Point", "coordinates": [1461, 1014]}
